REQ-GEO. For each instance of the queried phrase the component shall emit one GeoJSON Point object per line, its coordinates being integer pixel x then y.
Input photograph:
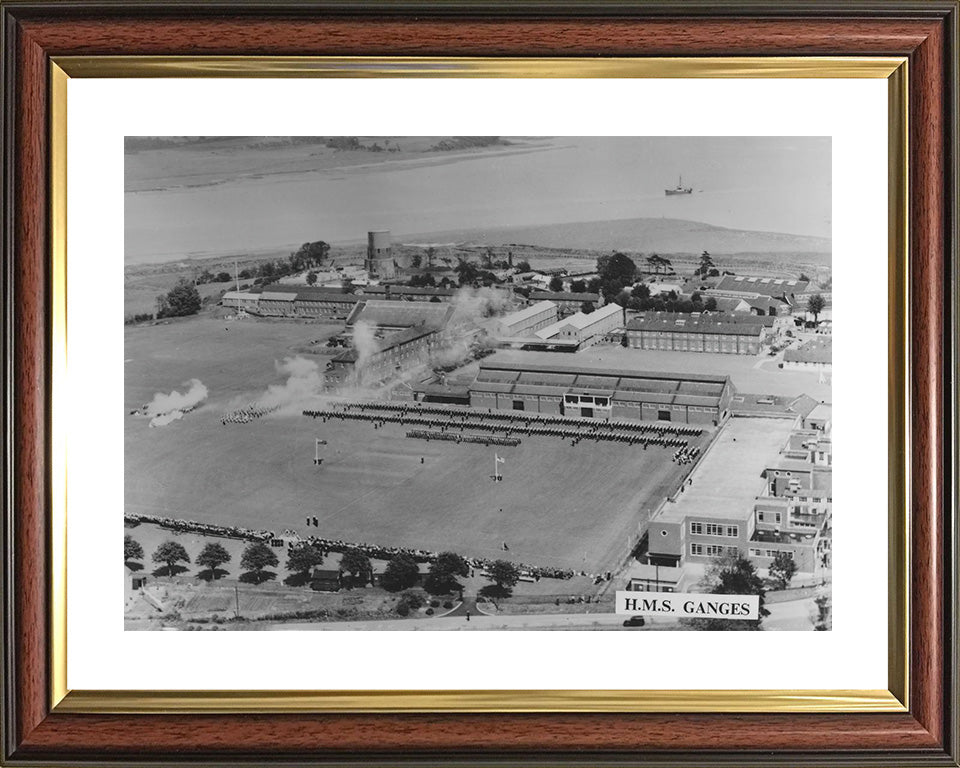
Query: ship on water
{"type": "Point", "coordinates": [679, 189]}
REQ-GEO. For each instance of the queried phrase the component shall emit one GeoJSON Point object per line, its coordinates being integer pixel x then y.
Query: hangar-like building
{"type": "Point", "coordinates": [601, 393]}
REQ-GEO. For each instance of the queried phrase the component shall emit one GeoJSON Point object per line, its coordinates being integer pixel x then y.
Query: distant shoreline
{"type": "Point", "coordinates": [792, 244]}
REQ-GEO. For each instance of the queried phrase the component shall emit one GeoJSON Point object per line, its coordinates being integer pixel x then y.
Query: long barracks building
{"type": "Point", "coordinates": [729, 333]}
{"type": "Point", "coordinates": [573, 390]}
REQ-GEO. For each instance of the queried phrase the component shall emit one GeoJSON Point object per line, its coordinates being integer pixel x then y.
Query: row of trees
{"type": "Point", "coordinates": [308, 256]}
{"type": "Point", "coordinates": [402, 572]}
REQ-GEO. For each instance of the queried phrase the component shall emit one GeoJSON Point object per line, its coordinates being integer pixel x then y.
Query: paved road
{"type": "Point", "coordinates": [477, 622]}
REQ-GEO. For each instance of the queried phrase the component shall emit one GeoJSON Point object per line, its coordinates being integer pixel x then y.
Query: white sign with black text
{"type": "Point", "coordinates": [688, 605]}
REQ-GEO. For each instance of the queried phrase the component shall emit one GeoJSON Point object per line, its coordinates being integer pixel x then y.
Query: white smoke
{"type": "Point", "coordinates": [364, 341]}
{"type": "Point", "coordinates": [176, 401]}
{"type": "Point", "coordinates": [474, 305]}
{"type": "Point", "coordinates": [304, 382]}
{"type": "Point", "coordinates": [165, 418]}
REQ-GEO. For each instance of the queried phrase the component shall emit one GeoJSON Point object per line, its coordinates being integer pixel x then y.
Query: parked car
{"type": "Point", "coordinates": [634, 621]}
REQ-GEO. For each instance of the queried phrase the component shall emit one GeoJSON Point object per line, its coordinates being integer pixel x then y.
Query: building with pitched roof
{"type": "Point", "coordinates": [573, 389]}
{"type": "Point", "coordinates": [389, 291]}
{"type": "Point", "coordinates": [738, 334]}
{"type": "Point", "coordinates": [389, 356]}
{"type": "Point", "coordinates": [241, 300]}
{"type": "Point", "coordinates": [584, 329]}
{"type": "Point", "coordinates": [527, 320]}
{"type": "Point", "coordinates": [277, 303]}
{"type": "Point", "coordinates": [813, 355]}
{"type": "Point", "coordinates": [568, 302]}
{"type": "Point", "coordinates": [783, 293]}
{"type": "Point", "coordinates": [399, 315]}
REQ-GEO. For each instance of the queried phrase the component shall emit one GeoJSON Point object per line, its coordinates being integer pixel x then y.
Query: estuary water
{"type": "Point", "coordinates": [772, 184]}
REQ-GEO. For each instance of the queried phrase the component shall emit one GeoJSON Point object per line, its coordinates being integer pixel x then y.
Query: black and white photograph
{"type": "Point", "coordinates": [463, 383]}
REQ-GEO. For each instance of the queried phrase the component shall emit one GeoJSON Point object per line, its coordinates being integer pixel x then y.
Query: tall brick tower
{"type": "Point", "coordinates": [379, 262]}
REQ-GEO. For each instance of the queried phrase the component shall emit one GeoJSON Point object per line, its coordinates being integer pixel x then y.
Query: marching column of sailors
{"type": "Point", "coordinates": [247, 414]}
{"type": "Point", "coordinates": [444, 418]}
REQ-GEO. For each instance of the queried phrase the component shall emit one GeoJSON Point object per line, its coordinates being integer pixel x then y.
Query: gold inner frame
{"type": "Point", "coordinates": [895, 699]}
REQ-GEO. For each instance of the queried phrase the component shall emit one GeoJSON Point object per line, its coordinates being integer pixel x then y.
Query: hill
{"type": "Point", "coordinates": [643, 235]}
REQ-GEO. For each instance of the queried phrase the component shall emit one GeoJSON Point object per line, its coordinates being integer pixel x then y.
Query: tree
{"type": "Point", "coordinates": [556, 283]}
{"type": "Point", "coordinates": [181, 300]}
{"type": "Point", "coordinates": [223, 277]}
{"type": "Point", "coordinates": [504, 574]}
{"type": "Point", "coordinates": [467, 273]}
{"type": "Point", "coordinates": [523, 266]}
{"type": "Point", "coordinates": [312, 277]}
{"type": "Point", "coordinates": [401, 572]}
{"type": "Point", "coordinates": [443, 572]}
{"type": "Point", "coordinates": [416, 260]}
{"type": "Point", "coordinates": [706, 264]}
{"type": "Point", "coordinates": [309, 255]}
{"type": "Point", "coordinates": [131, 549]}
{"type": "Point", "coordinates": [695, 297]}
{"type": "Point", "coordinates": [169, 554]}
{"type": "Point", "coordinates": [354, 562]}
{"type": "Point", "coordinates": [213, 555]}
{"type": "Point", "coordinates": [303, 558]}
{"type": "Point", "coordinates": [587, 307]}
{"type": "Point", "coordinates": [578, 286]}
{"type": "Point", "coordinates": [710, 304]}
{"type": "Point", "coordinates": [804, 278]}
{"type": "Point", "coordinates": [617, 266]}
{"type": "Point", "coordinates": [782, 569]}
{"type": "Point", "coordinates": [815, 305]}
{"type": "Point", "coordinates": [657, 262]}
{"type": "Point", "coordinates": [731, 574]}
{"type": "Point", "coordinates": [256, 557]}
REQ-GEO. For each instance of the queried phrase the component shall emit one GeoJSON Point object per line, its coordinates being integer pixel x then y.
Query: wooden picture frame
{"type": "Point", "coordinates": [43, 725]}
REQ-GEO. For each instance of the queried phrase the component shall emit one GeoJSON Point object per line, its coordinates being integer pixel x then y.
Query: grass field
{"type": "Point", "coordinates": [558, 505]}
{"type": "Point", "coordinates": [233, 358]}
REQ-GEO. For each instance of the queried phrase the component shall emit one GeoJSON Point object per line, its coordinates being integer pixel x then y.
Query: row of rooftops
{"type": "Point", "coordinates": [400, 314]}
{"type": "Point", "coordinates": [628, 386]}
{"type": "Point", "coordinates": [314, 293]}
{"type": "Point", "coordinates": [703, 323]}
{"type": "Point", "coordinates": [563, 296]}
{"type": "Point", "coordinates": [765, 286]}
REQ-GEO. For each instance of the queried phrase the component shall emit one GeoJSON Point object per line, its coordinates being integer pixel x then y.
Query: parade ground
{"type": "Point", "coordinates": [558, 505]}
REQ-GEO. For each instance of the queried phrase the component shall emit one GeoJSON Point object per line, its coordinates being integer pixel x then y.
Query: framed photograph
{"type": "Point", "coordinates": [475, 397]}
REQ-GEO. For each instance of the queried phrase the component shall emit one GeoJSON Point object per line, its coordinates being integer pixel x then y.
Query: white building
{"type": "Point", "coordinates": [585, 329]}
{"type": "Point", "coordinates": [528, 320]}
